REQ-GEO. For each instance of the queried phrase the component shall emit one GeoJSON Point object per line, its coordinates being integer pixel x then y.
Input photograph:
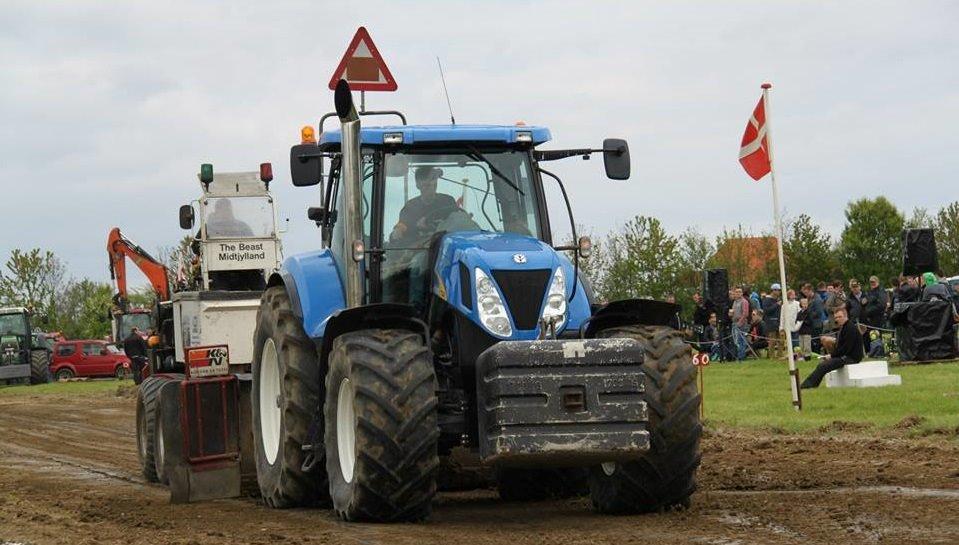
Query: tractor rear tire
{"type": "Point", "coordinates": [381, 426]}
{"type": "Point", "coordinates": [148, 397]}
{"type": "Point", "coordinates": [665, 477]}
{"type": "Point", "coordinates": [285, 398]}
{"type": "Point", "coordinates": [540, 484]}
{"type": "Point", "coordinates": [39, 367]}
{"type": "Point", "coordinates": [168, 435]}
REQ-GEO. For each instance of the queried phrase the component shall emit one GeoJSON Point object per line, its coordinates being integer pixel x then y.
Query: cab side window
{"type": "Point", "coordinates": [90, 349]}
{"type": "Point", "coordinates": [66, 350]}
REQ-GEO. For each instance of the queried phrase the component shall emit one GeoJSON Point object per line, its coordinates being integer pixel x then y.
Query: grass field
{"type": "Point", "coordinates": [755, 395]}
{"type": "Point", "coordinates": [78, 388]}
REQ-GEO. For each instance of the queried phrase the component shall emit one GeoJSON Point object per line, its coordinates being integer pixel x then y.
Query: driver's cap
{"type": "Point", "coordinates": [426, 172]}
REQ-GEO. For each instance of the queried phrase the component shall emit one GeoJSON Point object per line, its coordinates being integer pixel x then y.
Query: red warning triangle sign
{"type": "Point", "coordinates": [363, 67]}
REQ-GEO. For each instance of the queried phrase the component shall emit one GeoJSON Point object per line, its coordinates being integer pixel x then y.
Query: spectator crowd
{"type": "Point", "coordinates": [757, 324]}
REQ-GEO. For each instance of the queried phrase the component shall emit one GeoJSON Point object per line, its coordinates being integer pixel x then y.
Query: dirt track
{"type": "Point", "coordinates": [68, 474]}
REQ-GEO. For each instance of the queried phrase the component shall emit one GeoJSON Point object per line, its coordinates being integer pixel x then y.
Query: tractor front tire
{"type": "Point", "coordinates": [148, 398]}
{"type": "Point", "coordinates": [285, 398]}
{"type": "Point", "coordinates": [40, 367]}
{"type": "Point", "coordinates": [381, 426]}
{"type": "Point", "coordinates": [665, 477]}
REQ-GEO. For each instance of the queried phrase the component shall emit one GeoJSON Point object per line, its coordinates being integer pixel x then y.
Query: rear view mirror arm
{"type": "Point", "coordinates": [554, 154]}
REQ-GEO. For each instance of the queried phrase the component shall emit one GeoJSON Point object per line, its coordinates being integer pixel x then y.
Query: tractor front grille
{"type": "Point", "coordinates": [524, 291]}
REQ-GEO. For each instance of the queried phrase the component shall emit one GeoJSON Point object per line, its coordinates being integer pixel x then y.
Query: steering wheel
{"type": "Point", "coordinates": [436, 215]}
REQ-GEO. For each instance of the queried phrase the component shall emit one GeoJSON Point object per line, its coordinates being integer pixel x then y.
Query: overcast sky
{"type": "Point", "coordinates": [108, 108]}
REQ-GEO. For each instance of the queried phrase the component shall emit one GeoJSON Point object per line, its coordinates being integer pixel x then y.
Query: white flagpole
{"type": "Point", "coordinates": [793, 371]}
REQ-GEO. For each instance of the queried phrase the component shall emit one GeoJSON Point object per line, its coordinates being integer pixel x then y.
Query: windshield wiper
{"type": "Point", "coordinates": [480, 157]}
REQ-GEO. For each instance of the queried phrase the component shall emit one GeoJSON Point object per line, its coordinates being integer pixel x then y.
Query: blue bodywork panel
{"type": "Point", "coordinates": [318, 287]}
{"type": "Point", "coordinates": [419, 134]}
{"type": "Point", "coordinates": [494, 251]}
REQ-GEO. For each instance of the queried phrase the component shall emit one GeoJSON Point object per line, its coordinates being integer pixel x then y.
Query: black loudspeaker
{"type": "Point", "coordinates": [919, 252]}
{"type": "Point", "coordinates": [716, 287]}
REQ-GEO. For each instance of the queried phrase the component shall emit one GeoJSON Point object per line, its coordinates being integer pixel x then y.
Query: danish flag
{"type": "Point", "coordinates": [754, 153]}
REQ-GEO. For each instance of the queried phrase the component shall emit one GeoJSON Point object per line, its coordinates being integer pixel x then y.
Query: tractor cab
{"type": "Point", "coordinates": [24, 353]}
{"type": "Point", "coordinates": [449, 212]}
{"type": "Point", "coordinates": [237, 243]}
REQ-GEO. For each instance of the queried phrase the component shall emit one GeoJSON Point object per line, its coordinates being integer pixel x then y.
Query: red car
{"type": "Point", "coordinates": [88, 358]}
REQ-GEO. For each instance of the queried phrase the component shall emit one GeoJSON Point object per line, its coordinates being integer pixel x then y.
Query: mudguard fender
{"type": "Point", "coordinates": [315, 289]}
{"type": "Point", "coordinates": [377, 316]}
{"type": "Point", "coordinates": [631, 312]}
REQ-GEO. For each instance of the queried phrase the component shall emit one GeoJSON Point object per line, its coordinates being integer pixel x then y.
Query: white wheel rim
{"type": "Point", "coordinates": [270, 401]}
{"type": "Point", "coordinates": [346, 430]}
{"type": "Point", "coordinates": [608, 468]}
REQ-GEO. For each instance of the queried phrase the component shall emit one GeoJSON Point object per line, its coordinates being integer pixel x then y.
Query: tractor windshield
{"type": "Point", "coordinates": [222, 217]}
{"type": "Point", "coordinates": [139, 320]}
{"type": "Point", "coordinates": [428, 193]}
{"type": "Point", "coordinates": [13, 325]}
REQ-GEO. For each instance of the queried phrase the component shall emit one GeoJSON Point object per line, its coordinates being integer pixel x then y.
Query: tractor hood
{"type": "Point", "coordinates": [521, 267]}
{"type": "Point", "coordinates": [497, 251]}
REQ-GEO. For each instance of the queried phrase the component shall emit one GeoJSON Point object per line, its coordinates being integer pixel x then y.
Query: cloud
{"type": "Point", "coordinates": [109, 108]}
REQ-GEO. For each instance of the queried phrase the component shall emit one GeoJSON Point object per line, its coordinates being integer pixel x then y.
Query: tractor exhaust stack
{"type": "Point", "coordinates": [352, 191]}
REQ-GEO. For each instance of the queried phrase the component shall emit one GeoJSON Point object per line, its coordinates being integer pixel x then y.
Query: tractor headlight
{"type": "Point", "coordinates": [489, 304]}
{"type": "Point", "coordinates": [555, 309]}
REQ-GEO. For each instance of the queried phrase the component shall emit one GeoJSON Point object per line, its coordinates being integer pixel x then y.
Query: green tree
{"type": "Point", "coordinates": [592, 268]}
{"type": "Point", "coordinates": [81, 310]}
{"type": "Point", "coordinates": [920, 218]}
{"type": "Point", "coordinates": [694, 251]}
{"type": "Point", "coordinates": [32, 279]}
{"type": "Point", "coordinates": [947, 238]}
{"type": "Point", "coordinates": [809, 252]}
{"type": "Point", "coordinates": [643, 260]}
{"type": "Point", "coordinates": [871, 241]}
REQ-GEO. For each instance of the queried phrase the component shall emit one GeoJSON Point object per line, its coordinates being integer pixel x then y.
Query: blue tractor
{"type": "Point", "coordinates": [439, 314]}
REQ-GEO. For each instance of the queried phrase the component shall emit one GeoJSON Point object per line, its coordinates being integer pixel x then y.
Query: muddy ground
{"type": "Point", "coordinates": [68, 474]}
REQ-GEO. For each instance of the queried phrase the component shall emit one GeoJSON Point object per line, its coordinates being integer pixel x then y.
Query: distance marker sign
{"type": "Point", "coordinates": [363, 67]}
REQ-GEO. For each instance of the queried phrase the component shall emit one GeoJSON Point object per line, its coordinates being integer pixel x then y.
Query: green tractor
{"type": "Point", "coordinates": [24, 354]}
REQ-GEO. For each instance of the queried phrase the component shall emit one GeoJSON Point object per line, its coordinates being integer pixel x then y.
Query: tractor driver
{"type": "Point", "coordinates": [415, 214]}
{"type": "Point", "coordinates": [222, 222]}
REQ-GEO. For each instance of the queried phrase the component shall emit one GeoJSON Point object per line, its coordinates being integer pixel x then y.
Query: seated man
{"type": "Point", "coordinates": [419, 219]}
{"type": "Point", "coordinates": [415, 215]}
{"type": "Point", "coordinates": [847, 349]}
{"type": "Point", "coordinates": [711, 338]}
{"type": "Point", "coordinates": [222, 222]}
{"type": "Point", "coordinates": [757, 332]}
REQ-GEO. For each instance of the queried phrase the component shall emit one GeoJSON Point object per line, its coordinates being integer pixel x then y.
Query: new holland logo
{"type": "Point", "coordinates": [519, 258]}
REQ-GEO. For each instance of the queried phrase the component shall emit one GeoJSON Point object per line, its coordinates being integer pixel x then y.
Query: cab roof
{"type": "Point", "coordinates": [437, 134]}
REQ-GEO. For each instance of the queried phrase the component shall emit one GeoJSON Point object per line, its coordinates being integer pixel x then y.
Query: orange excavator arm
{"type": "Point", "coordinates": [119, 248]}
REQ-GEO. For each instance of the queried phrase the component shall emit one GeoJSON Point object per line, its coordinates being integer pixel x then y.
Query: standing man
{"type": "Point", "coordinates": [834, 301]}
{"type": "Point", "coordinates": [739, 314]}
{"type": "Point", "coordinates": [816, 313]}
{"type": "Point", "coordinates": [772, 304]}
{"type": "Point", "coordinates": [848, 349]}
{"type": "Point", "coordinates": [136, 349]}
{"type": "Point", "coordinates": [874, 307]}
{"type": "Point", "coordinates": [700, 316]}
{"type": "Point", "coordinates": [855, 302]}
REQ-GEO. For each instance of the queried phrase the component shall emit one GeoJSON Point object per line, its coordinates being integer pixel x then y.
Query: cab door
{"type": "Point", "coordinates": [93, 362]}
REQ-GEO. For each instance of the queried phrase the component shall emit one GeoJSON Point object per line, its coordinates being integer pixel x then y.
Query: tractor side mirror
{"type": "Point", "coordinates": [616, 158]}
{"type": "Point", "coordinates": [306, 164]}
{"type": "Point", "coordinates": [186, 217]}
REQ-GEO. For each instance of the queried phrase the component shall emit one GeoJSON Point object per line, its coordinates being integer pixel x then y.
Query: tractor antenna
{"type": "Point", "coordinates": [445, 90]}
